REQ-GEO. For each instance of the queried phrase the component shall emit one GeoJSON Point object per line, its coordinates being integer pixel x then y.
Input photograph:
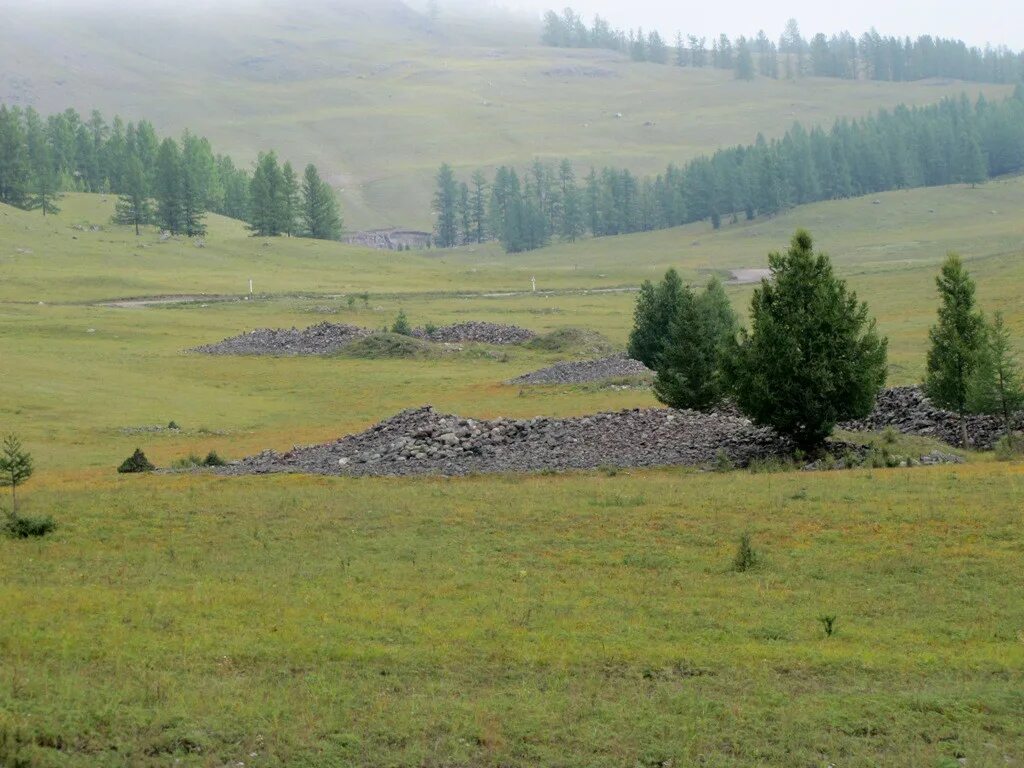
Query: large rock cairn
{"type": "Point", "coordinates": [908, 410]}
{"type": "Point", "coordinates": [322, 339]}
{"type": "Point", "coordinates": [423, 441]}
{"type": "Point", "coordinates": [582, 371]}
{"type": "Point", "coordinates": [477, 331]}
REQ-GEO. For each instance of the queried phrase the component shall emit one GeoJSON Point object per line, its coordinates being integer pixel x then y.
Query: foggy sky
{"type": "Point", "coordinates": [1000, 22]}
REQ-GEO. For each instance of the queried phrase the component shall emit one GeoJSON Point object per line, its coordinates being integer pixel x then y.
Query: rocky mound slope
{"type": "Point", "coordinates": [908, 410]}
{"type": "Point", "coordinates": [423, 441]}
{"type": "Point", "coordinates": [476, 331]}
{"type": "Point", "coordinates": [322, 339]}
{"type": "Point", "coordinates": [582, 371]}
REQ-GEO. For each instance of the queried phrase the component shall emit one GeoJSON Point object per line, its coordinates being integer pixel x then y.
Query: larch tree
{"type": "Point", "coordinates": [956, 342]}
{"type": "Point", "coordinates": [320, 215]}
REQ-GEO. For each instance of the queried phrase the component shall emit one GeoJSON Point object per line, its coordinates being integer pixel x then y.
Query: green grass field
{"type": "Point", "coordinates": [378, 98]}
{"type": "Point", "coordinates": [577, 620]}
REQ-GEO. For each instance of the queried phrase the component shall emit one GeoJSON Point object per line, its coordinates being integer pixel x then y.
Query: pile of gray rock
{"type": "Point", "coordinates": [322, 339]}
{"type": "Point", "coordinates": [423, 441]}
{"type": "Point", "coordinates": [908, 410]}
{"type": "Point", "coordinates": [478, 332]}
{"type": "Point", "coordinates": [582, 371]}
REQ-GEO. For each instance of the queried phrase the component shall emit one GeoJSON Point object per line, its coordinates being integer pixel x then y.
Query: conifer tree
{"type": "Point", "coordinates": [479, 205]}
{"type": "Point", "coordinates": [744, 61]}
{"type": "Point", "coordinates": [956, 342]}
{"type": "Point", "coordinates": [167, 187]}
{"type": "Point", "coordinates": [691, 372]}
{"type": "Point", "coordinates": [15, 468]}
{"type": "Point", "coordinates": [656, 308]}
{"type": "Point", "coordinates": [14, 169]}
{"type": "Point", "coordinates": [133, 206]}
{"type": "Point", "coordinates": [996, 386]}
{"type": "Point", "coordinates": [288, 200]}
{"type": "Point", "coordinates": [320, 216]}
{"type": "Point", "coordinates": [265, 196]}
{"type": "Point", "coordinates": [812, 357]}
{"type": "Point", "coordinates": [445, 202]}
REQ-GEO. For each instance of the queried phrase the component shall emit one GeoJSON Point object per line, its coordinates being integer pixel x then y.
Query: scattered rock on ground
{"type": "Point", "coordinates": [477, 331]}
{"type": "Point", "coordinates": [581, 371]}
{"type": "Point", "coordinates": [908, 410]}
{"type": "Point", "coordinates": [423, 441]}
{"type": "Point", "coordinates": [322, 339]}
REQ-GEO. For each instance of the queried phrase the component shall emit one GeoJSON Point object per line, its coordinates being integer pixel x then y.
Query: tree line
{"type": "Point", "coordinates": [953, 141]}
{"type": "Point", "coordinates": [167, 182]}
{"type": "Point", "coordinates": [872, 56]}
{"type": "Point", "coordinates": [812, 357]}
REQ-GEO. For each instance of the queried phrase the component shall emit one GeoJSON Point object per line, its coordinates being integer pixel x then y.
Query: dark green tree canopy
{"type": "Point", "coordinates": [812, 357]}
{"type": "Point", "coordinates": [956, 339]}
{"type": "Point", "coordinates": [656, 309]}
{"type": "Point", "coordinates": [690, 371]}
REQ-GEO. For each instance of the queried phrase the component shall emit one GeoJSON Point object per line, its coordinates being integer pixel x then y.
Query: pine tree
{"type": "Point", "coordinates": [167, 187]}
{"type": "Point", "coordinates": [320, 216]}
{"type": "Point", "coordinates": [288, 200]}
{"type": "Point", "coordinates": [479, 205]}
{"type": "Point", "coordinates": [445, 202]}
{"type": "Point", "coordinates": [956, 342]}
{"type": "Point", "coordinates": [15, 468]}
{"type": "Point", "coordinates": [996, 386]}
{"type": "Point", "coordinates": [14, 167]}
{"type": "Point", "coordinates": [133, 205]}
{"type": "Point", "coordinates": [465, 214]}
{"type": "Point", "coordinates": [265, 196]}
{"type": "Point", "coordinates": [656, 308]}
{"type": "Point", "coordinates": [691, 372]}
{"type": "Point", "coordinates": [44, 190]}
{"type": "Point", "coordinates": [812, 357]}
{"type": "Point", "coordinates": [744, 61]}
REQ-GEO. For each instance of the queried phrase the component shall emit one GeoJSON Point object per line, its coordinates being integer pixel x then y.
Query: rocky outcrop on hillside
{"type": "Point", "coordinates": [322, 339]}
{"type": "Point", "coordinates": [476, 331]}
{"type": "Point", "coordinates": [423, 441]}
{"type": "Point", "coordinates": [582, 371]}
{"type": "Point", "coordinates": [908, 410]}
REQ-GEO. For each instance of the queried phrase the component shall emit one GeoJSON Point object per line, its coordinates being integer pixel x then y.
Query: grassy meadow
{"type": "Point", "coordinates": [584, 619]}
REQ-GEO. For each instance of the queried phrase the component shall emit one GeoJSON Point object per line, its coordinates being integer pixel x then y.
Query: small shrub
{"type": "Point", "coordinates": [401, 325]}
{"type": "Point", "coordinates": [829, 462]}
{"type": "Point", "coordinates": [137, 462]}
{"type": "Point", "coordinates": [746, 557]}
{"type": "Point", "coordinates": [351, 301]}
{"type": "Point", "coordinates": [828, 623]}
{"type": "Point", "coordinates": [429, 328]}
{"type": "Point", "coordinates": [722, 461]}
{"type": "Point", "coordinates": [890, 436]}
{"type": "Point", "coordinates": [1009, 447]}
{"type": "Point", "coordinates": [190, 461]}
{"type": "Point", "coordinates": [213, 460]}
{"type": "Point", "coordinates": [26, 527]}
{"type": "Point", "coordinates": [172, 424]}
{"type": "Point", "coordinates": [608, 469]}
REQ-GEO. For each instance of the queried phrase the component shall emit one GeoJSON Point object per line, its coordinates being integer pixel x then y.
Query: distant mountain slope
{"type": "Point", "coordinates": [379, 96]}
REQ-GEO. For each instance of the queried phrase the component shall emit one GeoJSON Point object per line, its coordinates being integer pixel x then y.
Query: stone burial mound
{"type": "Point", "coordinates": [583, 371]}
{"type": "Point", "coordinates": [422, 441]}
{"type": "Point", "coordinates": [478, 332]}
{"type": "Point", "coordinates": [908, 410]}
{"type": "Point", "coordinates": [322, 339]}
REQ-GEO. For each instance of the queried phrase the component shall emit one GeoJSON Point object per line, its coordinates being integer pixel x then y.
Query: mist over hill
{"type": "Point", "coordinates": [378, 95]}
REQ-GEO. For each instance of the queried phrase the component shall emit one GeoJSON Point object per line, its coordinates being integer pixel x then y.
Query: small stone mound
{"type": "Point", "coordinates": [582, 371]}
{"type": "Point", "coordinates": [908, 410]}
{"type": "Point", "coordinates": [382, 346]}
{"type": "Point", "coordinates": [322, 339]}
{"type": "Point", "coordinates": [573, 341]}
{"type": "Point", "coordinates": [477, 331]}
{"type": "Point", "coordinates": [424, 442]}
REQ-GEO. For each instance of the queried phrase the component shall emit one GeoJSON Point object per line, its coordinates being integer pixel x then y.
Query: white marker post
{"type": "Point", "coordinates": [250, 286]}
{"type": "Point", "coordinates": [533, 282]}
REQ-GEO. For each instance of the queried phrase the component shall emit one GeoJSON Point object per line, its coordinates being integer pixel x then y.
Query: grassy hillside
{"type": "Point", "coordinates": [378, 96]}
